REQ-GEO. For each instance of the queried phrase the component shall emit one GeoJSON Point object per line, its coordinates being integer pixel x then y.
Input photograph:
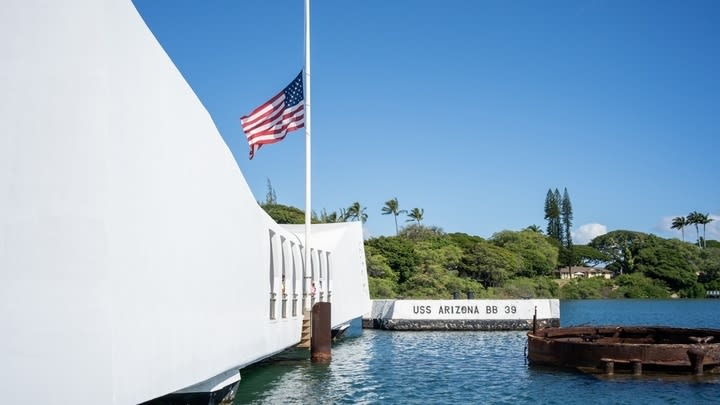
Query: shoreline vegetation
{"type": "Point", "coordinates": [423, 262]}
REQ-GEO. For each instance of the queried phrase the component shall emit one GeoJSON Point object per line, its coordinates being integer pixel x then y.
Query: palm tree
{"type": "Point", "coordinates": [334, 216]}
{"type": "Point", "coordinates": [325, 217]}
{"type": "Point", "coordinates": [393, 207]}
{"type": "Point", "coordinates": [416, 214]}
{"type": "Point", "coordinates": [357, 212]}
{"type": "Point", "coordinates": [704, 219]}
{"type": "Point", "coordinates": [680, 223]}
{"type": "Point", "coordinates": [534, 228]}
{"type": "Point", "coordinates": [694, 218]}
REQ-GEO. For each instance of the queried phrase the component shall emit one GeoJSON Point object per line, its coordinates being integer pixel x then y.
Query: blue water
{"type": "Point", "coordinates": [382, 367]}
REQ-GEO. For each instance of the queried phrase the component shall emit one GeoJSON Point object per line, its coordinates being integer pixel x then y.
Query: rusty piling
{"type": "Point", "coordinates": [609, 365]}
{"type": "Point", "coordinates": [321, 340]}
{"type": "Point", "coordinates": [697, 357]}
{"type": "Point", "coordinates": [636, 366]}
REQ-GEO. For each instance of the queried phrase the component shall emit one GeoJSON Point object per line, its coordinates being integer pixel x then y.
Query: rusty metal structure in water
{"type": "Point", "coordinates": [627, 349]}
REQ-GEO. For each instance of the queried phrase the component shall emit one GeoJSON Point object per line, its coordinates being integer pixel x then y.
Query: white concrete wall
{"type": "Point", "coordinates": [347, 284]}
{"type": "Point", "coordinates": [134, 260]}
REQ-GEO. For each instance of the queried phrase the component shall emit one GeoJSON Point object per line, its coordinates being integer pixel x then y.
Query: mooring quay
{"type": "Point", "coordinates": [511, 314]}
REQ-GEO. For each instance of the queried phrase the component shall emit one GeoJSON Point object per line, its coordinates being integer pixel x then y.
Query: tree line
{"type": "Point", "coordinates": [425, 262]}
{"type": "Point", "coordinates": [285, 214]}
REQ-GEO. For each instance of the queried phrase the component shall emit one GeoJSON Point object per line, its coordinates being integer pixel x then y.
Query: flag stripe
{"type": "Point", "coordinates": [263, 111]}
{"type": "Point", "coordinates": [271, 121]}
{"type": "Point", "coordinates": [275, 124]}
{"type": "Point", "coordinates": [262, 138]}
{"type": "Point", "coordinates": [278, 116]}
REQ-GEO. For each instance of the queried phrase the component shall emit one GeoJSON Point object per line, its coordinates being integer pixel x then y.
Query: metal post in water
{"type": "Point", "coordinates": [636, 366]}
{"type": "Point", "coordinates": [609, 366]}
{"type": "Point", "coordinates": [321, 339]}
{"type": "Point", "coordinates": [697, 357]}
{"type": "Point", "coordinates": [535, 321]}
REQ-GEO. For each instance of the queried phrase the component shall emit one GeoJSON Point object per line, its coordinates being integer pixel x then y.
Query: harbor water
{"type": "Point", "coordinates": [383, 367]}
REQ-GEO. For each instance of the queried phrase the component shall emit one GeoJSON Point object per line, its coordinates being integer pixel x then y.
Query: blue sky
{"type": "Point", "coordinates": [471, 109]}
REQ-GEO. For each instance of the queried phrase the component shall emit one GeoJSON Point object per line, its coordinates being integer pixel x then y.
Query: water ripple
{"type": "Point", "coordinates": [383, 367]}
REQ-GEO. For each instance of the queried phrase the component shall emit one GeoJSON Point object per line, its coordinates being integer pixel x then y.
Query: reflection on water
{"type": "Point", "coordinates": [474, 367]}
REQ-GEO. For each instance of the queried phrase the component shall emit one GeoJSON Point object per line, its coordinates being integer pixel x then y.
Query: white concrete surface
{"type": "Point", "coordinates": [134, 259]}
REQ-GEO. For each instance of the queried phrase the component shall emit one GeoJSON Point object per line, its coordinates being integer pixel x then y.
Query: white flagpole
{"type": "Point", "coordinates": [308, 211]}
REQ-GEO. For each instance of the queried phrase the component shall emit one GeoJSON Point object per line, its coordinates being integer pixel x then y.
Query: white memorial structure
{"type": "Point", "coordinates": [134, 259]}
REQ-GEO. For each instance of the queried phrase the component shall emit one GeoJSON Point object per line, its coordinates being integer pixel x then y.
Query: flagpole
{"type": "Point", "coordinates": [308, 211]}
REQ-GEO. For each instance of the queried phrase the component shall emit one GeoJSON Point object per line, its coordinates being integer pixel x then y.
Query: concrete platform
{"type": "Point", "coordinates": [462, 314]}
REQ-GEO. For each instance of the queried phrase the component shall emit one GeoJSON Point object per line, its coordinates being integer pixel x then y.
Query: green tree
{"type": "Point", "coordinates": [416, 232]}
{"type": "Point", "coordinates": [489, 264]}
{"type": "Point", "coordinates": [535, 287]}
{"type": "Point", "coordinates": [703, 220]}
{"type": "Point", "coordinates": [415, 214]}
{"type": "Point", "coordinates": [534, 228]}
{"type": "Point", "coordinates": [464, 241]}
{"type": "Point", "coordinates": [589, 256]}
{"type": "Point", "coordinates": [270, 195]}
{"type": "Point", "coordinates": [669, 260]}
{"type": "Point", "coordinates": [695, 218]}
{"type": "Point", "coordinates": [357, 212]}
{"type": "Point", "coordinates": [538, 256]}
{"type": "Point", "coordinates": [381, 288]}
{"type": "Point", "coordinates": [378, 266]}
{"type": "Point", "coordinates": [620, 246]}
{"type": "Point", "coordinates": [637, 285]}
{"type": "Point", "coordinates": [566, 256]}
{"type": "Point", "coordinates": [382, 279]}
{"type": "Point", "coordinates": [709, 267]}
{"type": "Point", "coordinates": [566, 217]}
{"type": "Point", "coordinates": [284, 214]}
{"type": "Point", "coordinates": [587, 288]}
{"type": "Point", "coordinates": [558, 199]}
{"type": "Point", "coordinates": [440, 252]}
{"type": "Point", "coordinates": [393, 207]}
{"type": "Point", "coordinates": [400, 255]}
{"type": "Point", "coordinates": [552, 215]}
{"type": "Point", "coordinates": [437, 265]}
{"type": "Point", "coordinates": [679, 223]}
{"type": "Point", "coordinates": [329, 217]}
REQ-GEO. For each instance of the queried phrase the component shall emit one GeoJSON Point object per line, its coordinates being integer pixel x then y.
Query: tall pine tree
{"type": "Point", "coordinates": [566, 214]}
{"type": "Point", "coordinates": [567, 256]}
{"type": "Point", "coordinates": [552, 215]}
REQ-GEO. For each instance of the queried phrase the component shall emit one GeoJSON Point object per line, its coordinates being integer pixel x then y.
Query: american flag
{"type": "Point", "coordinates": [270, 122]}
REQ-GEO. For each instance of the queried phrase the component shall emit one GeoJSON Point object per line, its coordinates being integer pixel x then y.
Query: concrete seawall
{"type": "Point", "coordinates": [462, 314]}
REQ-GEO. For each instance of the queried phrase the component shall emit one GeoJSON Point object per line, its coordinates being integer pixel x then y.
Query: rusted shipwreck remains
{"type": "Point", "coordinates": [627, 349]}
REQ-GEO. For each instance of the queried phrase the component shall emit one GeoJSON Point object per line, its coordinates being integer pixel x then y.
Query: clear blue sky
{"type": "Point", "coordinates": [471, 109]}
